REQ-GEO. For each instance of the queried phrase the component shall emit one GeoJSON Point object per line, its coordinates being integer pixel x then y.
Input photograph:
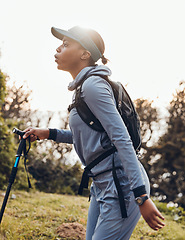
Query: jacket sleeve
{"type": "Point", "coordinates": [60, 136]}
{"type": "Point", "coordinates": [98, 95]}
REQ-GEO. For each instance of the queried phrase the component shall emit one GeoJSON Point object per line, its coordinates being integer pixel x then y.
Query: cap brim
{"type": "Point", "coordinates": [78, 35]}
{"type": "Point", "coordinates": [60, 34]}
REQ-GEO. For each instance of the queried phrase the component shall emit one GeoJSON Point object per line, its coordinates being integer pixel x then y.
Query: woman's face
{"type": "Point", "coordinates": [68, 55]}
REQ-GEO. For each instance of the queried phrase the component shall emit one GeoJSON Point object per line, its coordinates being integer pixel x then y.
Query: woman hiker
{"type": "Point", "coordinates": [80, 50]}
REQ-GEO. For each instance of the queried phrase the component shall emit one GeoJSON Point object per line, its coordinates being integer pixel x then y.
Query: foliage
{"type": "Point", "coordinates": [176, 213]}
{"type": "Point", "coordinates": [168, 155]}
{"type": "Point", "coordinates": [16, 104]}
{"type": "Point", "coordinates": [149, 123]}
{"type": "Point", "coordinates": [3, 78]}
{"type": "Point", "coordinates": [49, 155]}
{"type": "Point", "coordinates": [54, 177]}
{"type": "Point", "coordinates": [50, 149]}
{"type": "Point", "coordinates": [48, 162]}
{"type": "Point", "coordinates": [6, 141]}
{"type": "Point", "coordinates": [149, 118]}
{"type": "Point", "coordinates": [9, 143]}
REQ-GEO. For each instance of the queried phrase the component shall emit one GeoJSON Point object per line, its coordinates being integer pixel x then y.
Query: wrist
{"type": "Point", "coordinates": [141, 199]}
{"type": "Point", "coordinates": [52, 135]}
{"type": "Point", "coordinates": [46, 133]}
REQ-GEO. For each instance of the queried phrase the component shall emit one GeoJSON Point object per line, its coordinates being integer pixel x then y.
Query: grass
{"type": "Point", "coordinates": [36, 215]}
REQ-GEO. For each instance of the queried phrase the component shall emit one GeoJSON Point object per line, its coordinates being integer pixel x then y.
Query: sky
{"type": "Point", "coordinates": [144, 39]}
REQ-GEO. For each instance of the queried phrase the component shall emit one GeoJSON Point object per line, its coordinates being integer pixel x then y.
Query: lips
{"type": "Point", "coordinates": [56, 60]}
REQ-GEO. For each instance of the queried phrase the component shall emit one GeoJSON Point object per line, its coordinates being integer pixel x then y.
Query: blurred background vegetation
{"type": "Point", "coordinates": [49, 165]}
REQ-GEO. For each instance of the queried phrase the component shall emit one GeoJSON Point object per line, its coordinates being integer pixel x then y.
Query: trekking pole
{"type": "Point", "coordinates": [21, 148]}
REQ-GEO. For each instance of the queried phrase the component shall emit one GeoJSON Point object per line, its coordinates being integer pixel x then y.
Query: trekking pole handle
{"type": "Point", "coordinates": [14, 169]}
{"type": "Point", "coordinates": [18, 132]}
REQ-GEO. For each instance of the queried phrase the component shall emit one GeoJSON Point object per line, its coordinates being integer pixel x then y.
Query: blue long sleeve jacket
{"type": "Point", "coordinates": [89, 144]}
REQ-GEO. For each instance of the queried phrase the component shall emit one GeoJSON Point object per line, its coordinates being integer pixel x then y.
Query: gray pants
{"type": "Point", "coordinates": [105, 221]}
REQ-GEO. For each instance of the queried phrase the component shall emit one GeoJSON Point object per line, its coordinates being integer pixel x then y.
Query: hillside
{"type": "Point", "coordinates": [40, 216]}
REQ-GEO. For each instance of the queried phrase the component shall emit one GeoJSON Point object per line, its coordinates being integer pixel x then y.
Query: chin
{"type": "Point", "coordinates": [59, 68]}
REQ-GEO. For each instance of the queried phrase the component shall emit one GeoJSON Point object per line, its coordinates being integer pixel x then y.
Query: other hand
{"type": "Point", "coordinates": [151, 215]}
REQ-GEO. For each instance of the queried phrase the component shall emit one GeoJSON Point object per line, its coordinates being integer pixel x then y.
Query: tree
{"type": "Point", "coordinates": [51, 149]}
{"type": "Point", "coordinates": [16, 104]}
{"type": "Point", "coordinates": [55, 177]}
{"type": "Point", "coordinates": [6, 139]}
{"type": "Point", "coordinates": [149, 122]}
{"type": "Point", "coordinates": [168, 168]}
{"type": "Point", "coordinates": [44, 155]}
{"type": "Point", "coordinates": [149, 117]}
{"type": "Point", "coordinates": [49, 165]}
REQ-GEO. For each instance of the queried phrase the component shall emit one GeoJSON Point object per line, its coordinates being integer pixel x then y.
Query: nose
{"type": "Point", "coordinates": [58, 49]}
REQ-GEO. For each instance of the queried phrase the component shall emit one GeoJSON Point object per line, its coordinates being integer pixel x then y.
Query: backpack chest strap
{"type": "Point", "coordinates": [85, 176]}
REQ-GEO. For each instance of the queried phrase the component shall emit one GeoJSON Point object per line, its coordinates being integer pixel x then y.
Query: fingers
{"type": "Point", "coordinates": [159, 224]}
{"type": "Point", "coordinates": [160, 216]}
{"type": "Point", "coordinates": [155, 225]}
{"type": "Point", "coordinates": [155, 222]}
{"type": "Point", "coordinates": [36, 134]}
{"type": "Point", "coordinates": [24, 134]}
{"type": "Point", "coordinates": [152, 215]}
{"type": "Point", "coordinates": [157, 216]}
{"type": "Point", "coordinates": [29, 132]}
{"type": "Point", "coordinates": [33, 138]}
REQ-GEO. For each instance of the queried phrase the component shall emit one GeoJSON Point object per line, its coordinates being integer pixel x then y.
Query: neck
{"type": "Point", "coordinates": [75, 71]}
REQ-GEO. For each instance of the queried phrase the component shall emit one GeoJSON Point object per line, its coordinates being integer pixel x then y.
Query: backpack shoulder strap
{"type": "Point", "coordinates": [83, 110]}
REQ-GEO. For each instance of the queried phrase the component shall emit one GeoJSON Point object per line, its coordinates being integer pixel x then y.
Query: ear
{"type": "Point", "coordinates": [85, 55]}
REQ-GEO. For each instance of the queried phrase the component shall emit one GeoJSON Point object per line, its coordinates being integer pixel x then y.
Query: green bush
{"type": "Point", "coordinates": [176, 213]}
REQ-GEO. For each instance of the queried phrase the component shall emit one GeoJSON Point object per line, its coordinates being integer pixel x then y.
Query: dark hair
{"type": "Point", "coordinates": [97, 39]}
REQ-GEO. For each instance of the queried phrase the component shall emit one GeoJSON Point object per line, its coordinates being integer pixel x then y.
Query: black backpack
{"type": "Point", "coordinates": [130, 117]}
{"type": "Point", "coordinates": [125, 107]}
